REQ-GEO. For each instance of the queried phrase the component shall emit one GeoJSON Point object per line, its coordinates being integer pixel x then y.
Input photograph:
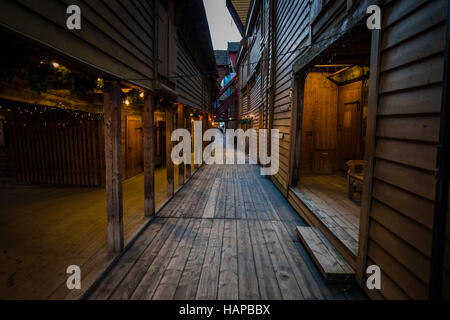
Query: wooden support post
{"type": "Point", "coordinates": [180, 124]}
{"type": "Point", "coordinates": [200, 118]}
{"type": "Point", "coordinates": [169, 144]}
{"type": "Point", "coordinates": [149, 157]}
{"type": "Point", "coordinates": [188, 166]}
{"type": "Point", "coordinates": [113, 164]}
{"type": "Point", "coordinates": [204, 127]}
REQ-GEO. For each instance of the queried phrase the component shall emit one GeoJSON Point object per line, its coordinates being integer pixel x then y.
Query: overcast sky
{"type": "Point", "coordinates": [222, 27]}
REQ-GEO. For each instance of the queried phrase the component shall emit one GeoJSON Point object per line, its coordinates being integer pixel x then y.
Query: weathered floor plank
{"type": "Point", "coordinates": [187, 287]}
{"type": "Point", "coordinates": [228, 278]}
{"type": "Point", "coordinates": [228, 235]}
{"type": "Point", "coordinates": [248, 281]}
{"type": "Point", "coordinates": [208, 284]}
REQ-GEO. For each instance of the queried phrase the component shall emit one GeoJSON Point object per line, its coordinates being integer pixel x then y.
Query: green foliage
{"type": "Point", "coordinates": [164, 104]}
{"type": "Point", "coordinates": [41, 76]}
{"type": "Point", "coordinates": [133, 96]}
{"type": "Point", "coordinates": [245, 121]}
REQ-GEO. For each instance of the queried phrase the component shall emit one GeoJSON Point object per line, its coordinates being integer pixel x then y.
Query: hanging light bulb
{"type": "Point", "coordinates": [55, 64]}
{"type": "Point", "coordinates": [141, 94]}
{"type": "Point", "coordinates": [127, 102]}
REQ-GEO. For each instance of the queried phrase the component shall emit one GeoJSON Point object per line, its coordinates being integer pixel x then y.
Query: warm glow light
{"type": "Point", "coordinates": [127, 102]}
{"type": "Point", "coordinates": [55, 64]}
{"type": "Point", "coordinates": [141, 95]}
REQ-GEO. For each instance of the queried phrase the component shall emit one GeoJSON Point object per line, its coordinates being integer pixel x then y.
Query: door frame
{"type": "Point", "coordinates": [295, 145]}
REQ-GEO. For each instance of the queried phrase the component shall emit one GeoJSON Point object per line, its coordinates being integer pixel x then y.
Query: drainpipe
{"type": "Point", "coordinates": [442, 181]}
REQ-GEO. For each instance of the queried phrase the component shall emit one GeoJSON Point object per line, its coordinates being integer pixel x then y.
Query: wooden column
{"type": "Point", "coordinates": [180, 124]}
{"type": "Point", "coordinates": [149, 157]}
{"type": "Point", "coordinates": [204, 127]}
{"type": "Point", "coordinates": [113, 164]}
{"type": "Point", "coordinates": [169, 144]}
{"type": "Point", "coordinates": [200, 118]}
{"type": "Point", "coordinates": [188, 166]}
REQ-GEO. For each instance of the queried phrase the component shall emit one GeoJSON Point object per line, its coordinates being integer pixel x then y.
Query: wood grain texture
{"type": "Point", "coordinates": [113, 164]}
{"type": "Point", "coordinates": [330, 263]}
{"type": "Point", "coordinates": [223, 255]}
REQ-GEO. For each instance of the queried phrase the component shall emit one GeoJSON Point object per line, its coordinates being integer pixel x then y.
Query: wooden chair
{"type": "Point", "coordinates": [355, 176]}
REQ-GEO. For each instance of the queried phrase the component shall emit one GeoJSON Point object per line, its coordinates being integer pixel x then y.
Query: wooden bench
{"type": "Point", "coordinates": [355, 176]}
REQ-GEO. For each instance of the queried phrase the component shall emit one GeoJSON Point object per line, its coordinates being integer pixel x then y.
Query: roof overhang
{"type": "Point", "coordinates": [239, 12]}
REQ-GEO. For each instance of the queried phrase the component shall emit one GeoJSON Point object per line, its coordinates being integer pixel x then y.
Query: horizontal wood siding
{"type": "Point", "coordinates": [56, 146]}
{"type": "Point", "coordinates": [191, 87]}
{"type": "Point", "coordinates": [292, 34]}
{"type": "Point", "coordinates": [407, 134]}
{"type": "Point", "coordinates": [115, 36]}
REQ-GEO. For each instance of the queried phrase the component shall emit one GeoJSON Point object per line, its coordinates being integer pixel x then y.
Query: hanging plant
{"type": "Point", "coordinates": [163, 105]}
{"type": "Point", "coordinates": [245, 121]}
{"type": "Point", "coordinates": [44, 75]}
{"type": "Point", "coordinates": [133, 96]}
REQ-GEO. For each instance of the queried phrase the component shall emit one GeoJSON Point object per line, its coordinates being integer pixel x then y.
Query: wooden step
{"type": "Point", "coordinates": [330, 263]}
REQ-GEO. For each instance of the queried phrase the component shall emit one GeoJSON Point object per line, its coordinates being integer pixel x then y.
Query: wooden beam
{"type": "Point", "coordinates": [366, 198]}
{"type": "Point", "coordinates": [113, 162]}
{"type": "Point", "coordinates": [169, 145]}
{"type": "Point", "coordinates": [180, 124]}
{"type": "Point", "coordinates": [149, 157]}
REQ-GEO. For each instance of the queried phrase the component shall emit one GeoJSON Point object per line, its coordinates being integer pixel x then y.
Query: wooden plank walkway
{"type": "Point", "coordinates": [228, 234]}
{"type": "Point", "coordinates": [326, 197]}
{"type": "Point", "coordinates": [44, 229]}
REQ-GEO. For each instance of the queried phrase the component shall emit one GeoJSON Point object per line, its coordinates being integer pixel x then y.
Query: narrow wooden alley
{"type": "Point", "coordinates": [227, 234]}
{"type": "Point", "coordinates": [343, 103]}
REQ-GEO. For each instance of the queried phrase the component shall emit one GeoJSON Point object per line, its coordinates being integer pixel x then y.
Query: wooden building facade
{"type": "Point", "coordinates": [339, 92]}
{"type": "Point", "coordinates": [144, 67]}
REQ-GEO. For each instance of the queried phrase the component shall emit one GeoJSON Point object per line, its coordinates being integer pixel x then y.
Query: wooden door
{"type": "Point", "coordinates": [349, 123]}
{"type": "Point", "coordinates": [160, 142]}
{"type": "Point", "coordinates": [319, 123]}
{"type": "Point", "coordinates": [134, 147]}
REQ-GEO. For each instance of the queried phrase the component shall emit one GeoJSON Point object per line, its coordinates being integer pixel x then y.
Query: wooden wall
{"type": "Point", "coordinates": [192, 88]}
{"type": "Point", "coordinates": [319, 125]}
{"type": "Point", "coordinates": [5, 164]}
{"type": "Point", "coordinates": [407, 133]}
{"type": "Point", "coordinates": [292, 32]}
{"type": "Point", "coordinates": [332, 132]}
{"type": "Point", "coordinates": [407, 123]}
{"type": "Point", "coordinates": [272, 49]}
{"type": "Point", "coordinates": [132, 147]}
{"type": "Point", "coordinates": [56, 146]}
{"type": "Point", "coordinates": [115, 36]}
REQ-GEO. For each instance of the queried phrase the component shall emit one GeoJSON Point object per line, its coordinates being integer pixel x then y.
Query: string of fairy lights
{"type": "Point", "coordinates": [28, 116]}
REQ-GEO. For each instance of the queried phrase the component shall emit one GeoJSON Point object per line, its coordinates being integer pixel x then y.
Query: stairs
{"type": "Point", "coordinates": [330, 263]}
